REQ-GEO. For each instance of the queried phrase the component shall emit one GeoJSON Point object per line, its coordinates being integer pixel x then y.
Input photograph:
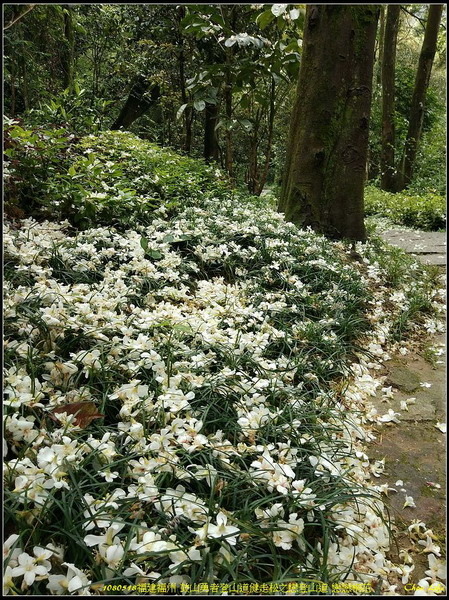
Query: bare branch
{"type": "Point", "coordinates": [27, 10]}
{"type": "Point", "coordinates": [420, 19]}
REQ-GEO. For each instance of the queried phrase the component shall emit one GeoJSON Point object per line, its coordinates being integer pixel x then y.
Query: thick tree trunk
{"type": "Point", "coordinates": [137, 103]}
{"type": "Point", "coordinates": [326, 158]}
{"type": "Point", "coordinates": [210, 133]}
{"type": "Point", "coordinates": [407, 164]}
{"type": "Point", "coordinates": [387, 159]}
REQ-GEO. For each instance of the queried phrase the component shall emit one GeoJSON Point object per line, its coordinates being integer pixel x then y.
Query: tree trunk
{"type": "Point", "coordinates": [231, 16]}
{"type": "Point", "coordinates": [229, 154]}
{"type": "Point", "coordinates": [137, 103]}
{"type": "Point", "coordinates": [253, 149]}
{"type": "Point", "coordinates": [264, 174]}
{"type": "Point", "coordinates": [68, 54]}
{"type": "Point", "coordinates": [210, 133]}
{"type": "Point", "coordinates": [380, 53]}
{"type": "Point", "coordinates": [387, 160]}
{"type": "Point", "coordinates": [326, 157]}
{"type": "Point", "coordinates": [188, 113]}
{"type": "Point", "coordinates": [407, 164]}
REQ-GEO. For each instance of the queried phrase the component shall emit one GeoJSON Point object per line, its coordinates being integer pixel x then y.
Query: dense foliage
{"type": "Point", "coordinates": [226, 70]}
{"type": "Point", "coordinates": [426, 211]}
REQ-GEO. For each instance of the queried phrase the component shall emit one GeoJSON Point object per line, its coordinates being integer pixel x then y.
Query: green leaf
{"type": "Point", "coordinates": [154, 254]}
{"type": "Point", "coordinates": [199, 105]}
{"type": "Point", "coordinates": [264, 19]}
{"type": "Point", "coordinates": [72, 171]}
{"type": "Point", "coordinates": [180, 111]}
{"type": "Point", "coordinates": [181, 327]}
{"type": "Point", "coordinates": [144, 243]}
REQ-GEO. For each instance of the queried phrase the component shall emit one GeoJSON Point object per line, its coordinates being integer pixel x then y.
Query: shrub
{"type": "Point", "coordinates": [33, 159]}
{"type": "Point", "coordinates": [425, 211]}
{"type": "Point", "coordinates": [113, 178]}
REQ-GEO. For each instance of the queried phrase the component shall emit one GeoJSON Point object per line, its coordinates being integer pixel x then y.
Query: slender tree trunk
{"type": "Point", "coordinates": [229, 153]}
{"type": "Point", "coordinates": [327, 152]}
{"type": "Point", "coordinates": [188, 113]}
{"type": "Point", "coordinates": [380, 54]}
{"type": "Point", "coordinates": [407, 164]}
{"type": "Point", "coordinates": [137, 103]}
{"type": "Point", "coordinates": [68, 54]}
{"type": "Point", "coordinates": [264, 174]}
{"type": "Point", "coordinates": [252, 160]}
{"type": "Point", "coordinates": [210, 133]}
{"type": "Point", "coordinates": [387, 159]}
{"type": "Point", "coordinates": [13, 90]}
{"type": "Point", "coordinates": [230, 10]}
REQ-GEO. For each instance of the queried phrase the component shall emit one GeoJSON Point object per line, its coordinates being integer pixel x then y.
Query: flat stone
{"type": "Point", "coordinates": [402, 377]}
{"type": "Point", "coordinates": [428, 246]}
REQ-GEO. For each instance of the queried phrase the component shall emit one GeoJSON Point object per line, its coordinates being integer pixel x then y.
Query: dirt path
{"type": "Point", "coordinates": [414, 449]}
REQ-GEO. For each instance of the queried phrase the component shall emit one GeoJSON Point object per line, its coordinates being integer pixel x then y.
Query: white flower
{"type": "Point", "coordinates": [29, 568]}
{"type": "Point", "coordinates": [406, 571]}
{"type": "Point", "coordinates": [220, 530]}
{"type": "Point", "coordinates": [8, 583]}
{"type": "Point", "coordinates": [425, 588]}
{"type": "Point", "coordinates": [425, 384]}
{"type": "Point", "coordinates": [409, 502]}
{"type": "Point", "coordinates": [429, 546]}
{"type": "Point", "coordinates": [390, 417]}
{"type": "Point", "coordinates": [8, 545]}
{"type": "Point", "coordinates": [437, 568]}
{"type": "Point", "coordinates": [74, 581]}
{"type": "Point", "coordinates": [109, 475]}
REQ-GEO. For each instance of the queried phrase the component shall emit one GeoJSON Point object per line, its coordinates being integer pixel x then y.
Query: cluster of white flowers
{"type": "Point", "coordinates": [215, 365]}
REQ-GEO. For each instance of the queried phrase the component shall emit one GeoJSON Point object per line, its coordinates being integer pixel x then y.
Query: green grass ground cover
{"type": "Point", "coordinates": [425, 211]}
{"type": "Point", "coordinates": [185, 391]}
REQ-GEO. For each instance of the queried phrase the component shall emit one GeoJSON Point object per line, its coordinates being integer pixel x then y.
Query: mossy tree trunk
{"type": "Point", "coordinates": [387, 154]}
{"type": "Point", "coordinates": [68, 54]}
{"type": "Point", "coordinates": [428, 49]}
{"type": "Point", "coordinates": [328, 143]}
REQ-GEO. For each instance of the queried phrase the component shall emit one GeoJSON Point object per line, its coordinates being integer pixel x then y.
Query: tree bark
{"type": "Point", "coordinates": [328, 141]}
{"type": "Point", "coordinates": [407, 163]}
{"type": "Point", "coordinates": [380, 54]}
{"type": "Point", "coordinates": [387, 153]}
{"type": "Point", "coordinates": [263, 175]}
{"type": "Point", "coordinates": [210, 133]}
{"type": "Point", "coordinates": [227, 94]}
{"type": "Point", "coordinates": [68, 55]}
{"type": "Point", "coordinates": [231, 14]}
{"type": "Point", "coordinates": [137, 103]}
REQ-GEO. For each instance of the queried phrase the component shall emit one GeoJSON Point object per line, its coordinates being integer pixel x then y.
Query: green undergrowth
{"type": "Point", "coordinates": [113, 178]}
{"type": "Point", "coordinates": [424, 211]}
